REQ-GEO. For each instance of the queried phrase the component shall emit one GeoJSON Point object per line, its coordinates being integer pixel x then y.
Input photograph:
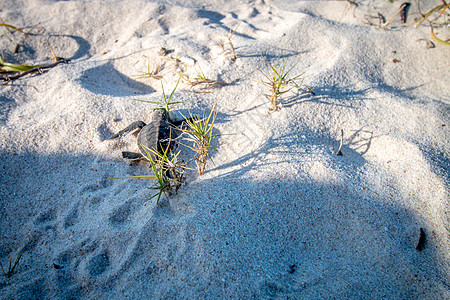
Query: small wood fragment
{"type": "Point", "coordinates": [339, 152]}
{"type": "Point", "coordinates": [404, 12]}
{"type": "Point", "coordinates": [422, 239]}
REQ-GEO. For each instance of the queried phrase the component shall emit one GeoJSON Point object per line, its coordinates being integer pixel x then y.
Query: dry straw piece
{"type": "Point", "coordinates": [152, 72]}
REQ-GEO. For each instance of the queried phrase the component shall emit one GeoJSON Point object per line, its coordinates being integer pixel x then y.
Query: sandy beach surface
{"type": "Point", "coordinates": [277, 213]}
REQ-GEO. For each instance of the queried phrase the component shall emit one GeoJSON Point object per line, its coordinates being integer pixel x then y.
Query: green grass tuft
{"type": "Point", "coordinates": [278, 81]}
{"type": "Point", "coordinates": [200, 133]}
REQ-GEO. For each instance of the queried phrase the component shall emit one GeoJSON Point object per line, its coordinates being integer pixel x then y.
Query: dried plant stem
{"type": "Point", "coordinates": [31, 70]}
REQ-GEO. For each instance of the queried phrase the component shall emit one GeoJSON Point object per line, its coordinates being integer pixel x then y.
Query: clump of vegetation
{"type": "Point", "coordinates": [279, 82]}
{"type": "Point", "coordinates": [201, 80]}
{"type": "Point", "coordinates": [229, 37]}
{"type": "Point", "coordinates": [167, 172]}
{"type": "Point", "coordinates": [12, 265]}
{"type": "Point", "coordinates": [170, 165]}
{"type": "Point", "coordinates": [200, 133]}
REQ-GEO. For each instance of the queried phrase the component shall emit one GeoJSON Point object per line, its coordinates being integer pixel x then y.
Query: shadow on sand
{"type": "Point", "coordinates": [84, 236]}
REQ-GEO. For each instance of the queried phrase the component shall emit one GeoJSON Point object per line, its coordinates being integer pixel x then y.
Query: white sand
{"type": "Point", "coordinates": [277, 214]}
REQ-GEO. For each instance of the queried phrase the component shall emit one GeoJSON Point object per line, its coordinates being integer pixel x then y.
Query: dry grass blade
{"type": "Point", "coordinates": [442, 8]}
{"type": "Point", "coordinates": [230, 43]}
{"type": "Point", "coordinates": [11, 265]}
{"type": "Point", "coordinates": [151, 72]}
{"type": "Point", "coordinates": [9, 67]}
{"type": "Point", "coordinates": [15, 71]}
{"type": "Point", "coordinates": [11, 28]}
{"type": "Point", "coordinates": [202, 80]}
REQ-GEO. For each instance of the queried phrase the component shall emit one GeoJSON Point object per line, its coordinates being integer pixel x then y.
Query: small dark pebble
{"type": "Point", "coordinates": [395, 61]}
{"type": "Point", "coordinates": [292, 269]}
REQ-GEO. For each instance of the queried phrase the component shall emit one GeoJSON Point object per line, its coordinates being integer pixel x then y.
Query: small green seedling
{"type": "Point", "coordinates": [170, 165]}
{"type": "Point", "coordinates": [12, 265]}
{"type": "Point", "coordinates": [161, 165]}
{"type": "Point", "coordinates": [151, 72]}
{"type": "Point", "coordinates": [278, 81]}
{"type": "Point", "coordinates": [199, 132]}
{"type": "Point", "coordinates": [166, 104]}
{"type": "Point", "coordinates": [163, 183]}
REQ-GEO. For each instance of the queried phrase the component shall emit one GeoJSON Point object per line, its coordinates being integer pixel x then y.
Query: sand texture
{"type": "Point", "coordinates": [277, 213]}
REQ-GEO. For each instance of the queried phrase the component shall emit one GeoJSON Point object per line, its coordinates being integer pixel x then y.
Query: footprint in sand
{"type": "Point", "coordinates": [98, 264]}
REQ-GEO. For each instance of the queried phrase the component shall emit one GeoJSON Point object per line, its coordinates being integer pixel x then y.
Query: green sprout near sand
{"type": "Point", "coordinates": [12, 265]}
{"type": "Point", "coordinates": [167, 104]}
{"type": "Point", "coordinates": [278, 81]}
{"type": "Point", "coordinates": [199, 132]}
{"type": "Point", "coordinates": [161, 166]}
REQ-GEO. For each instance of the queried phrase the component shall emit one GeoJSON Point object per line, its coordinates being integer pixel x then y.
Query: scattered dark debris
{"type": "Point", "coordinates": [395, 60]}
{"type": "Point", "coordinates": [164, 52]}
{"type": "Point", "coordinates": [57, 267]}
